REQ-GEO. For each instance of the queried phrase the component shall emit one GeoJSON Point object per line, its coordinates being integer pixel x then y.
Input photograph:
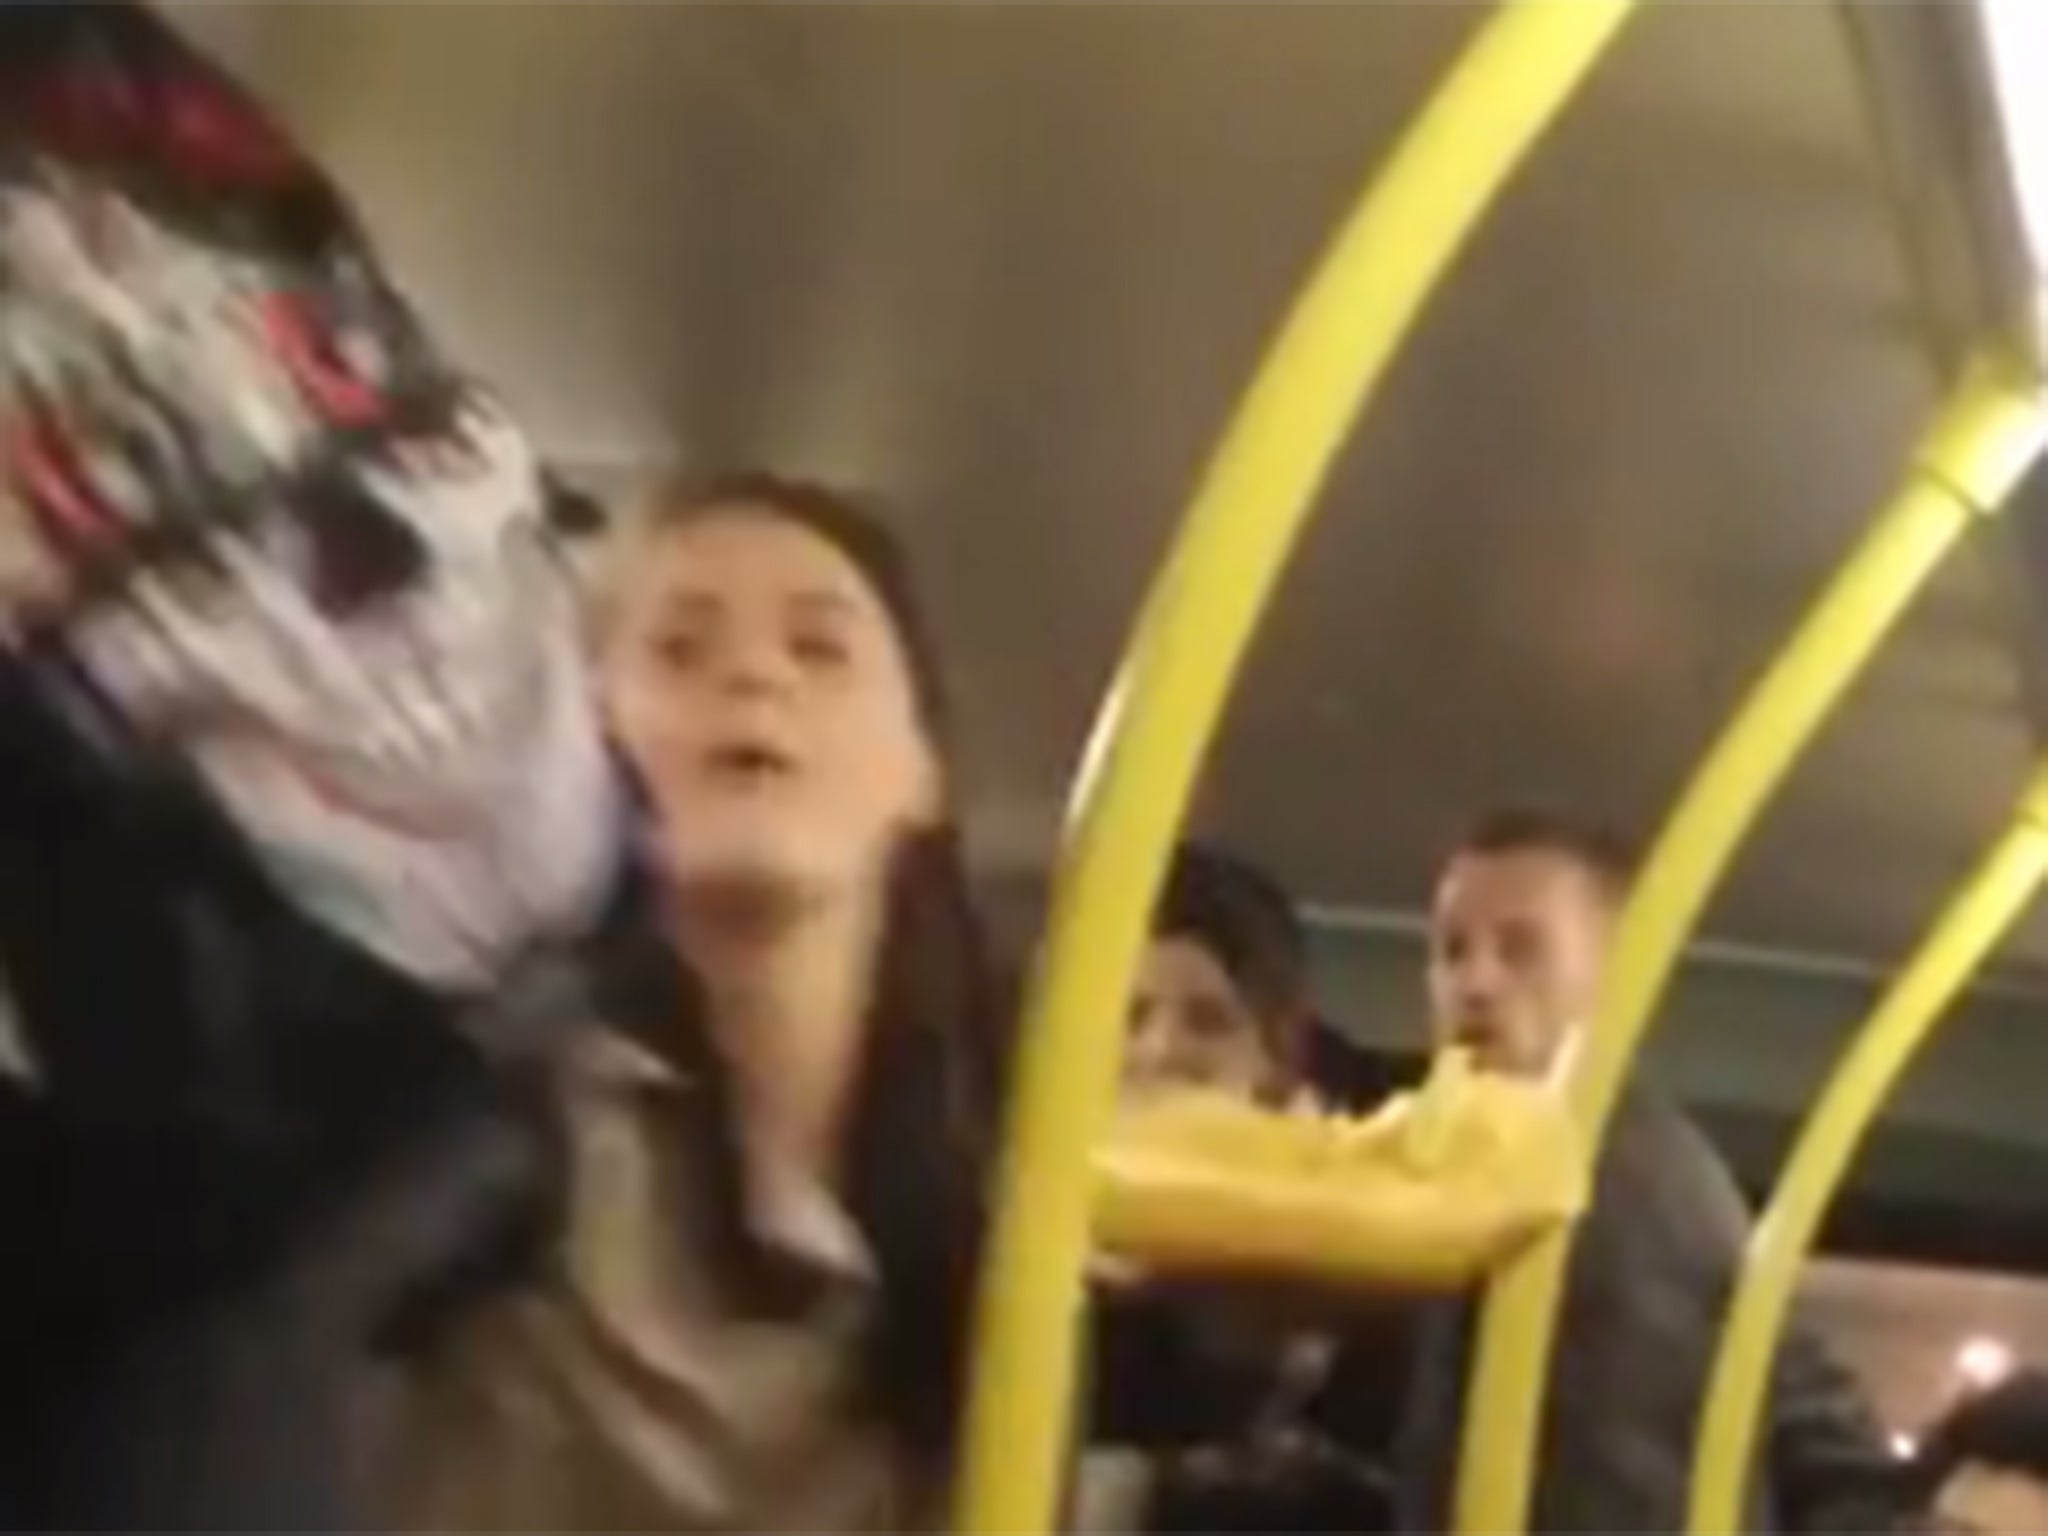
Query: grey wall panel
{"type": "Point", "coordinates": [1007, 267]}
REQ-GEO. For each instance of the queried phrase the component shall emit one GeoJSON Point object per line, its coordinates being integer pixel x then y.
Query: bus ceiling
{"type": "Point", "coordinates": [1008, 266]}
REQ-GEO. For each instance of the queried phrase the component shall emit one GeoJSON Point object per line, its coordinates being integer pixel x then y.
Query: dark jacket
{"type": "Point", "coordinates": [239, 1120]}
{"type": "Point", "coordinates": [1643, 1311]}
{"type": "Point", "coordinates": [1246, 1428]}
{"type": "Point", "coordinates": [1243, 1433]}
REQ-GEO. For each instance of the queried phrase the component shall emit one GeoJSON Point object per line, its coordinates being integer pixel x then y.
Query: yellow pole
{"type": "Point", "coordinates": [1149, 739]}
{"type": "Point", "coordinates": [1977, 916]}
{"type": "Point", "coordinates": [1979, 446]}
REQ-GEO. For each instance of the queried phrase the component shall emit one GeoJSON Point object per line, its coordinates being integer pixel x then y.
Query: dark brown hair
{"type": "Point", "coordinates": [917, 1138]}
{"type": "Point", "coordinates": [1243, 918]}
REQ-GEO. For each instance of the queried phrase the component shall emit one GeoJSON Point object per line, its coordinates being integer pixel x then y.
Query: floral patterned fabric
{"type": "Point", "coordinates": [248, 504]}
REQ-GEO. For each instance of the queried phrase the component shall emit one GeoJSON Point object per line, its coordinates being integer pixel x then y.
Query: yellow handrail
{"type": "Point", "coordinates": [1981, 443]}
{"type": "Point", "coordinates": [1148, 741]}
{"type": "Point", "coordinates": [2006, 879]}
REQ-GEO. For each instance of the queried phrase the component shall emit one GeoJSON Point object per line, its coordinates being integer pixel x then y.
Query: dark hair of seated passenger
{"type": "Point", "coordinates": [1598, 849]}
{"type": "Point", "coordinates": [2003, 1427]}
{"type": "Point", "coordinates": [924, 1104]}
{"type": "Point", "coordinates": [1243, 918]}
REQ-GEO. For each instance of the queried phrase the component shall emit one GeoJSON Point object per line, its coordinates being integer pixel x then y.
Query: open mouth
{"type": "Point", "coordinates": [751, 765]}
{"type": "Point", "coordinates": [1477, 1036]}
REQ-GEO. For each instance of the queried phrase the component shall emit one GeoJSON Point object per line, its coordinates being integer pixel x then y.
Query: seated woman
{"type": "Point", "coordinates": [771, 1136]}
{"type": "Point", "coordinates": [1221, 998]}
{"type": "Point", "coordinates": [1239, 1422]}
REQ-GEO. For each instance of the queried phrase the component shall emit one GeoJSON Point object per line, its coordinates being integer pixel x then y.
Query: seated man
{"type": "Point", "coordinates": [1522, 923]}
{"type": "Point", "coordinates": [1232, 1410]}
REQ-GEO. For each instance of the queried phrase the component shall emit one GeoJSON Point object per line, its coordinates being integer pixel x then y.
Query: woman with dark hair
{"type": "Point", "coordinates": [1221, 995]}
{"type": "Point", "coordinates": [1219, 1412]}
{"type": "Point", "coordinates": [749, 1315]}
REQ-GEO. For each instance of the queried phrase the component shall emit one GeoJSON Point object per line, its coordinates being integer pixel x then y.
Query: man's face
{"type": "Point", "coordinates": [1191, 1027]}
{"type": "Point", "coordinates": [1517, 942]}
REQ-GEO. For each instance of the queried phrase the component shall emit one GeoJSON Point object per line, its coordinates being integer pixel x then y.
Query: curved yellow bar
{"type": "Point", "coordinates": [1134, 782]}
{"type": "Point", "coordinates": [1979, 446]}
{"type": "Point", "coordinates": [1996, 892]}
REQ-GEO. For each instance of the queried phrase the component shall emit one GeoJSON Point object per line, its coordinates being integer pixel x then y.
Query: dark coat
{"type": "Point", "coordinates": [1238, 1443]}
{"type": "Point", "coordinates": [238, 1118]}
{"type": "Point", "coordinates": [1644, 1306]}
{"type": "Point", "coordinates": [1240, 1437]}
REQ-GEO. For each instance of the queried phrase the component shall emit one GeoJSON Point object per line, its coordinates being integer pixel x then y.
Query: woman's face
{"type": "Point", "coordinates": [760, 690]}
{"type": "Point", "coordinates": [1190, 1027]}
